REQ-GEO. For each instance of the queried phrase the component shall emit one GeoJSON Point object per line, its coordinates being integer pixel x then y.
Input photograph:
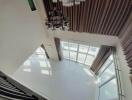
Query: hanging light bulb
{"type": "Point", "coordinates": [56, 20]}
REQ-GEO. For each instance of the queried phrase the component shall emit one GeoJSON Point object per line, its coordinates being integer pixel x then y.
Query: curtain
{"type": "Point", "coordinates": [104, 53]}
{"type": "Point", "coordinates": [58, 47]}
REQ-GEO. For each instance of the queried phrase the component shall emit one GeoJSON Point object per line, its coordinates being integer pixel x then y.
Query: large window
{"type": "Point", "coordinates": [108, 81]}
{"type": "Point", "coordinates": [81, 53]}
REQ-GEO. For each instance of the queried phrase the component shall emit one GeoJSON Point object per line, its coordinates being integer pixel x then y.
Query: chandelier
{"type": "Point", "coordinates": [56, 20]}
{"type": "Point", "coordinates": [69, 2]}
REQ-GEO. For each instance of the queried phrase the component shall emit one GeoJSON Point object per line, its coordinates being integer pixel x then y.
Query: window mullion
{"type": "Point", "coordinates": [111, 78]}
{"type": "Point", "coordinates": [69, 50]}
{"type": "Point", "coordinates": [77, 52]}
{"type": "Point", "coordinates": [86, 54]}
{"type": "Point", "coordinates": [106, 68]}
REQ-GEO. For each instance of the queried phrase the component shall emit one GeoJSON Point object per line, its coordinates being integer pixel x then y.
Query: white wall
{"type": "Point", "coordinates": [49, 41]}
{"type": "Point", "coordinates": [86, 38]}
{"type": "Point", "coordinates": [126, 84]}
{"type": "Point", "coordinates": [21, 33]}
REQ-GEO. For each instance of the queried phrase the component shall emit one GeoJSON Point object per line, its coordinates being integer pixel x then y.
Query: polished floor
{"type": "Point", "coordinates": [64, 80]}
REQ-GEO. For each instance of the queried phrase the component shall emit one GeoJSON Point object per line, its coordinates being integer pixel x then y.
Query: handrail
{"type": "Point", "coordinates": [8, 89]}
{"type": "Point", "coordinates": [12, 95]}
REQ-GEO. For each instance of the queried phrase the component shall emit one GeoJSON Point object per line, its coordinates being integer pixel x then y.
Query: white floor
{"type": "Point", "coordinates": [65, 80]}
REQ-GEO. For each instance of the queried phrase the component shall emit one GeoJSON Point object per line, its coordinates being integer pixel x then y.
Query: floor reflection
{"type": "Point", "coordinates": [40, 58]}
{"type": "Point", "coordinates": [27, 69]}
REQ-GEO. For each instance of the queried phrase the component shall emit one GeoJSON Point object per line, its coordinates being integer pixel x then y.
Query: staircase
{"type": "Point", "coordinates": [9, 90]}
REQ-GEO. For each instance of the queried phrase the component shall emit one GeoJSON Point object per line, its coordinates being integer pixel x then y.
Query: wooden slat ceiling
{"type": "Point", "coordinates": [127, 45]}
{"type": "Point", "coordinates": [106, 17]}
{"type": "Point", "coordinates": [126, 40]}
{"type": "Point", "coordinates": [95, 16]}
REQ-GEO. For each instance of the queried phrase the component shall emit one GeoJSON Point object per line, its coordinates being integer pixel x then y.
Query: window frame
{"type": "Point", "coordinates": [116, 76]}
{"type": "Point", "coordinates": [77, 51]}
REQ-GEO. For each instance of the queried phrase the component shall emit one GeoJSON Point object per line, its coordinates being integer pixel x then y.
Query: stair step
{"type": "Point", "coordinates": [16, 96]}
{"type": "Point", "coordinates": [13, 88]}
{"type": "Point", "coordinates": [5, 82]}
{"type": "Point", "coordinates": [10, 90]}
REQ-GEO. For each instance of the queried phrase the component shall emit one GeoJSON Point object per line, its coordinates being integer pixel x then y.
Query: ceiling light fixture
{"type": "Point", "coordinates": [56, 20]}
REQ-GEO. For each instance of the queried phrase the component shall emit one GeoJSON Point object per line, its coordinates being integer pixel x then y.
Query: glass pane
{"type": "Point", "coordinates": [64, 45]}
{"type": "Point", "coordinates": [81, 57]}
{"type": "Point", "coordinates": [73, 46]}
{"type": "Point", "coordinates": [71, 50]}
{"type": "Point", "coordinates": [66, 54]}
{"type": "Point", "coordinates": [93, 51]}
{"type": "Point", "coordinates": [108, 62]}
{"type": "Point", "coordinates": [109, 91]}
{"type": "Point", "coordinates": [89, 60]}
{"type": "Point", "coordinates": [73, 55]}
{"type": "Point", "coordinates": [107, 74]}
{"type": "Point", "coordinates": [83, 48]}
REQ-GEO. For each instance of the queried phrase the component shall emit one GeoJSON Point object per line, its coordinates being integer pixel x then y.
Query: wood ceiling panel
{"type": "Point", "coordinates": [96, 16]}
{"type": "Point", "coordinates": [126, 40]}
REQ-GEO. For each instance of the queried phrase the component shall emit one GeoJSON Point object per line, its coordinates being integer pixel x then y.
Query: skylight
{"type": "Point", "coordinates": [80, 53]}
